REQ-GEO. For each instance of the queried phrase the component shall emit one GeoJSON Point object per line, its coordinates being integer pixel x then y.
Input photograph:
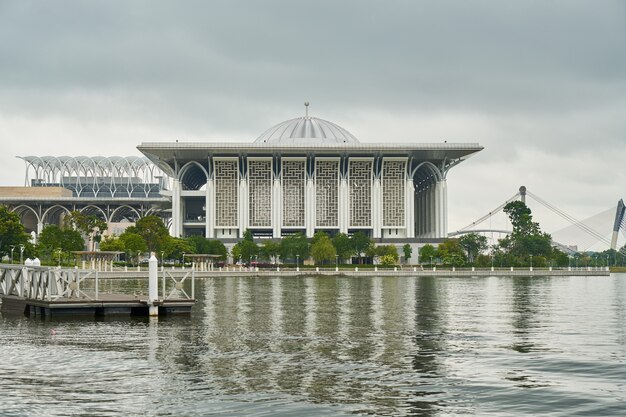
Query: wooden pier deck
{"type": "Point", "coordinates": [45, 292]}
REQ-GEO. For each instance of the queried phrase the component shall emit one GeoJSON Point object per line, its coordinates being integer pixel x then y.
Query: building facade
{"type": "Point", "coordinates": [308, 174]}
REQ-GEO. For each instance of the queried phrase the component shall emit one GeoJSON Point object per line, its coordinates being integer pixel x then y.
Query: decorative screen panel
{"type": "Point", "coordinates": [226, 191]}
{"type": "Point", "coordinates": [326, 193]}
{"type": "Point", "coordinates": [260, 193]}
{"type": "Point", "coordinates": [360, 182]}
{"type": "Point", "coordinates": [393, 193]}
{"type": "Point", "coordinates": [293, 181]}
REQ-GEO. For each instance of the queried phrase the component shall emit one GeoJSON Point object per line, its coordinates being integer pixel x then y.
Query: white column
{"type": "Point", "coordinates": [242, 205]}
{"type": "Point", "coordinates": [443, 191]}
{"type": "Point", "coordinates": [309, 207]}
{"type": "Point", "coordinates": [377, 209]}
{"type": "Point", "coordinates": [409, 208]}
{"type": "Point", "coordinates": [177, 227]}
{"type": "Point", "coordinates": [277, 208]}
{"type": "Point", "coordinates": [344, 208]}
{"type": "Point", "coordinates": [432, 211]}
{"type": "Point", "coordinates": [209, 205]}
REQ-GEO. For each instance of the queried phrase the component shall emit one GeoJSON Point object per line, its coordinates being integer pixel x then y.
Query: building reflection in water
{"type": "Point", "coordinates": [323, 339]}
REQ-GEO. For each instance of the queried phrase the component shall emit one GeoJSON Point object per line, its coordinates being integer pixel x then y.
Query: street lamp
{"type": "Point", "coordinates": [59, 254]}
{"type": "Point", "coordinates": [531, 262]}
{"type": "Point", "coordinates": [12, 249]}
{"type": "Point", "coordinates": [183, 260]}
{"type": "Point", "coordinates": [431, 260]}
{"type": "Point", "coordinates": [336, 262]}
{"type": "Point", "coordinates": [21, 254]}
{"type": "Point", "coordinates": [162, 254]}
{"type": "Point", "coordinates": [297, 262]}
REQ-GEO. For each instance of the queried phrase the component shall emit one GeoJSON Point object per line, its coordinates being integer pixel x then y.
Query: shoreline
{"type": "Point", "coordinates": [362, 273]}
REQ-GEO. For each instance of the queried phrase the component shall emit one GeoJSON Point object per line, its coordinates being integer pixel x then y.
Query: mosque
{"type": "Point", "coordinates": [305, 175]}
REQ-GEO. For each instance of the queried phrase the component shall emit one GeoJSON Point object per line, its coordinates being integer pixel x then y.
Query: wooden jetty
{"type": "Point", "coordinates": [45, 291]}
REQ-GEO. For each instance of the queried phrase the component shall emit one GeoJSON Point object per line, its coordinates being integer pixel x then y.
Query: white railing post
{"type": "Point", "coordinates": [193, 285]}
{"type": "Point", "coordinates": [153, 285]}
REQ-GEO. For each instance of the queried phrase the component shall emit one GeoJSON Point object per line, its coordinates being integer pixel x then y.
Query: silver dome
{"type": "Point", "coordinates": [306, 129]}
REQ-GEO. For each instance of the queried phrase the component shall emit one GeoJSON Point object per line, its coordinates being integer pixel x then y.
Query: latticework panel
{"type": "Point", "coordinates": [226, 192]}
{"type": "Point", "coordinates": [360, 182]}
{"type": "Point", "coordinates": [393, 193]}
{"type": "Point", "coordinates": [260, 193]}
{"type": "Point", "coordinates": [293, 182]}
{"type": "Point", "coordinates": [326, 193]}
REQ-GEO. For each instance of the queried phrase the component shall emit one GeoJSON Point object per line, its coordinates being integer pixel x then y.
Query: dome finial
{"type": "Point", "coordinates": [306, 109]}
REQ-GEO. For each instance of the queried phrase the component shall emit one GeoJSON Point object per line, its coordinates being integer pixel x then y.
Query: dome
{"type": "Point", "coordinates": [306, 129]}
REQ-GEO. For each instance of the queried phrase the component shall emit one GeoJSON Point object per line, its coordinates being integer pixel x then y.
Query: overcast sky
{"type": "Point", "coordinates": [540, 84]}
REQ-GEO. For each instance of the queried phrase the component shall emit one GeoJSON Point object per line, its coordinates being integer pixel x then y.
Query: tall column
{"type": "Point", "coordinates": [243, 206]}
{"type": "Point", "coordinates": [409, 208]}
{"type": "Point", "coordinates": [377, 218]}
{"type": "Point", "coordinates": [309, 207]}
{"type": "Point", "coordinates": [442, 187]}
{"type": "Point", "coordinates": [209, 210]}
{"type": "Point", "coordinates": [344, 207]}
{"type": "Point", "coordinates": [277, 208]}
{"type": "Point", "coordinates": [177, 226]}
{"type": "Point", "coordinates": [432, 210]}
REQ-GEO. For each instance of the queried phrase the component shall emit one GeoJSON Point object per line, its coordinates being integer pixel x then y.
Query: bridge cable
{"type": "Point", "coordinates": [490, 214]}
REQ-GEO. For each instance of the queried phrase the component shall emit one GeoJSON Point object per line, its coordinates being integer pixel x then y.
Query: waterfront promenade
{"type": "Point", "coordinates": [366, 272]}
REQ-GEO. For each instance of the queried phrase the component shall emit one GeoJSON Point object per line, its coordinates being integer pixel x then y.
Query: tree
{"type": "Point", "coordinates": [526, 238]}
{"type": "Point", "coordinates": [89, 225]}
{"type": "Point", "coordinates": [361, 243]}
{"type": "Point", "coordinates": [53, 239]}
{"type": "Point", "coordinates": [216, 247]}
{"type": "Point", "coordinates": [133, 243]}
{"type": "Point", "coordinates": [175, 247]}
{"type": "Point", "coordinates": [12, 232]}
{"type": "Point", "coordinates": [153, 231]}
{"type": "Point", "coordinates": [407, 251]}
{"type": "Point", "coordinates": [451, 252]}
{"type": "Point", "coordinates": [112, 243]}
{"type": "Point", "coordinates": [292, 245]}
{"type": "Point", "coordinates": [245, 249]}
{"type": "Point", "coordinates": [322, 249]}
{"type": "Point", "coordinates": [388, 254]}
{"type": "Point", "coordinates": [427, 253]}
{"type": "Point", "coordinates": [269, 250]}
{"type": "Point", "coordinates": [474, 244]}
{"type": "Point", "coordinates": [343, 246]}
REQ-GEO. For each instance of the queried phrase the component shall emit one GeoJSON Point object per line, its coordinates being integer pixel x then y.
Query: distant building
{"type": "Point", "coordinates": [307, 174]}
{"type": "Point", "coordinates": [302, 175]}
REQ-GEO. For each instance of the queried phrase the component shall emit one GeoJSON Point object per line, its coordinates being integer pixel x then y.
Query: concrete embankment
{"type": "Point", "coordinates": [236, 272]}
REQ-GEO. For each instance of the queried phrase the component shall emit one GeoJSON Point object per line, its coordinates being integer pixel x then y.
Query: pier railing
{"type": "Point", "coordinates": [177, 287]}
{"type": "Point", "coordinates": [47, 284]}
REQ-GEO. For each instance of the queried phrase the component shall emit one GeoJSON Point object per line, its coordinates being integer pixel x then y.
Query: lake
{"type": "Point", "coordinates": [419, 346]}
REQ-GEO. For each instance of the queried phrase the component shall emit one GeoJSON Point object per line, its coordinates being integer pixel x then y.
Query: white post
{"type": "Point", "coordinates": [153, 285]}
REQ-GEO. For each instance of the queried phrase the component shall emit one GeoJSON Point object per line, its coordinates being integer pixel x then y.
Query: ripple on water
{"type": "Point", "coordinates": [332, 346]}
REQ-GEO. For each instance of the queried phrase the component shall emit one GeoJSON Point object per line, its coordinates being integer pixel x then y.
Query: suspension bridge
{"type": "Point", "coordinates": [588, 231]}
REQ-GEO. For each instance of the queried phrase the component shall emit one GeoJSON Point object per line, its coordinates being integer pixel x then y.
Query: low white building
{"type": "Point", "coordinates": [308, 174]}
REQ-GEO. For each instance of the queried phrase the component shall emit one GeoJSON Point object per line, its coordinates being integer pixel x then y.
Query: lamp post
{"type": "Point", "coordinates": [492, 261]}
{"type": "Point", "coordinates": [431, 261]}
{"type": "Point", "coordinates": [21, 254]}
{"type": "Point", "coordinates": [59, 254]}
{"type": "Point", "coordinates": [12, 249]}
{"type": "Point", "coordinates": [162, 263]}
{"type": "Point", "coordinates": [531, 262]}
{"type": "Point", "coordinates": [336, 262]}
{"type": "Point", "coordinates": [297, 262]}
{"type": "Point", "coordinates": [183, 260]}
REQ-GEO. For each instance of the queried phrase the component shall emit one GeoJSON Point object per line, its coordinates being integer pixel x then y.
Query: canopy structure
{"type": "Point", "coordinates": [96, 176]}
{"type": "Point", "coordinates": [98, 260]}
{"type": "Point", "coordinates": [202, 261]}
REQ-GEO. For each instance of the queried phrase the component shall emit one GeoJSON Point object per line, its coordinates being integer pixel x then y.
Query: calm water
{"type": "Point", "coordinates": [335, 346]}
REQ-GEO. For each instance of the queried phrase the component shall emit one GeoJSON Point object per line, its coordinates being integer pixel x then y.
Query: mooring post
{"type": "Point", "coordinates": [153, 285]}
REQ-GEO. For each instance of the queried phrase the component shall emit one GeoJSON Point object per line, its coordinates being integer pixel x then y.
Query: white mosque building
{"type": "Point", "coordinates": [308, 174]}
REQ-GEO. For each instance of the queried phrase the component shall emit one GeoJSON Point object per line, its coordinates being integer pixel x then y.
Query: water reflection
{"type": "Point", "coordinates": [330, 345]}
